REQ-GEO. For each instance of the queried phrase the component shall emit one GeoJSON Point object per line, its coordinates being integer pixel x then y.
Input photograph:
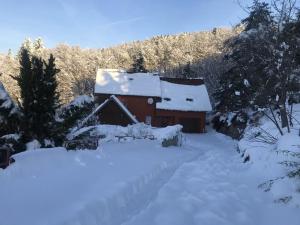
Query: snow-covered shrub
{"type": "Point", "coordinates": [15, 142]}
{"type": "Point", "coordinates": [70, 115]}
{"type": "Point", "coordinates": [232, 124]}
{"type": "Point", "coordinates": [10, 120]}
{"type": "Point", "coordinates": [9, 113]}
{"type": "Point", "coordinates": [170, 135]}
{"type": "Point", "coordinates": [34, 144]}
{"type": "Point", "coordinates": [278, 156]}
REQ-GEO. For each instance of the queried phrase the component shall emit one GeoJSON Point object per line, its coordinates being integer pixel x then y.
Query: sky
{"type": "Point", "coordinates": [104, 23]}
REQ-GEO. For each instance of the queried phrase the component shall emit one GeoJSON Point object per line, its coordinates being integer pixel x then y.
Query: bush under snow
{"type": "Point", "coordinates": [135, 131]}
{"type": "Point", "coordinates": [276, 157]}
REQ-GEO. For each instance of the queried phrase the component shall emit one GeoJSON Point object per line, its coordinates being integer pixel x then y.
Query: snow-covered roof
{"type": "Point", "coordinates": [184, 97]}
{"type": "Point", "coordinates": [179, 97]}
{"type": "Point", "coordinates": [118, 82]}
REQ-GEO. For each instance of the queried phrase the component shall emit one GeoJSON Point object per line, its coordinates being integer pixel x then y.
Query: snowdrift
{"type": "Point", "coordinates": [106, 186]}
{"type": "Point", "coordinates": [275, 157]}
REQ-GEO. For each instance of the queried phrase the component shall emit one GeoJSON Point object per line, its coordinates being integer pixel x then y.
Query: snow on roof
{"type": "Point", "coordinates": [174, 96]}
{"type": "Point", "coordinates": [118, 82]}
{"type": "Point", "coordinates": [184, 97]}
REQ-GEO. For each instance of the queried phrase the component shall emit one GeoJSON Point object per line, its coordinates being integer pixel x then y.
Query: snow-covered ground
{"type": "Point", "coordinates": [139, 182]}
{"type": "Point", "coordinates": [105, 186]}
{"type": "Point", "coordinates": [216, 188]}
{"type": "Point", "coordinates": [275, 160]}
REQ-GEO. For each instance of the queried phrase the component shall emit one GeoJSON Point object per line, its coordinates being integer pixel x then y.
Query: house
{"type": "Point", "coordinates": [126, 98]}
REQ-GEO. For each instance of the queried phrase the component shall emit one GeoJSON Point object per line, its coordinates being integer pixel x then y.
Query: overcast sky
{"type": "Point", "coordinates": [102, 23]}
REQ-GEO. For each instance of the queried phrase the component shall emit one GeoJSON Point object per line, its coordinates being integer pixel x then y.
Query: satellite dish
{"type": "Point", "coordinates": [150, 101]}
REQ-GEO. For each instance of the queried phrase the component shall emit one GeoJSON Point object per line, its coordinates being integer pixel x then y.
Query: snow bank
{"type": "Point", "coordinates": [216, 188]}
{"type": "Point", "coordinates": [167, 132]}
{"type": "Point", "coordinates": [135, 131]}
{"type": "Point", "coordinates": [276, 158]}
{"type": "Point", "coordinates": [35, 144]}
{"type": "Point", "coordinates": [106, 186]}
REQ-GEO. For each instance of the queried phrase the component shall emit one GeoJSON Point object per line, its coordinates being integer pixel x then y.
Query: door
{"type": "Point", "coordinates": [191, 125]}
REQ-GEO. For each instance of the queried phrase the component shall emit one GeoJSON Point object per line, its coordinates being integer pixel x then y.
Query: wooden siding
{"type": "Point", "coordinates": [137, 105]}
{"type": "Point", "coordinates": [114, 115]}
{"type": "Point", "coordinates": [193, 122]}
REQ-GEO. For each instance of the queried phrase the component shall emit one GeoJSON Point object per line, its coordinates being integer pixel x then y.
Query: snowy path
{"type": "Point", "coordinates": [216, 188]}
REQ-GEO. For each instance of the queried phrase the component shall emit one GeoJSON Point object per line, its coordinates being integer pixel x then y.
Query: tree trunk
{"type": "Point", "coordinates": [291, 115]}
{"type": "Point", "coordinates": [282, 103]}
{"type": "Point", "coordinates": [274, 120]}
{"type": "Point", "coordinates": [284, 118]}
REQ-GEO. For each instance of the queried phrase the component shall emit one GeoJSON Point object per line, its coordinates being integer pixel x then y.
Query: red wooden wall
{"type": "Point", "coordinates": [193, 122]}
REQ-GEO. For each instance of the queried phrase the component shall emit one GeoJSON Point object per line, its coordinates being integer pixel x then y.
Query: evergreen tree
{"type": "Point", "coordinates": [39, 99]}
{"type": "Point", "coordinates": [188, 72]}
{"type": "Point", "coordinates": [259, 16]}
{"type": "Point", "coordinates": [71, 114]}
{"type": "Point", "coordinates": [138, 65]}
{"type": "Point", "coordinates": [285, 66]}
{"type": "Point", "coordinates": [49, 97]}
{"type": "Point", "coordinates": [264, 70]}
{"type": "Point", "coordinates": [25, 82]}
{"type": "Point", "coordinates": [9, 113]}
{"type": "Point", "coordinates": [247, 82]}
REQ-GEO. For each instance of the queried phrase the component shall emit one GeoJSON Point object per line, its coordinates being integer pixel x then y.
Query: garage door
{"type": "Point", "coordinates": [191, 125]}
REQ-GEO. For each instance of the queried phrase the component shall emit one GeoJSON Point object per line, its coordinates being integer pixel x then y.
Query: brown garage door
{"type": "Point", "coordinates": [190, 125]}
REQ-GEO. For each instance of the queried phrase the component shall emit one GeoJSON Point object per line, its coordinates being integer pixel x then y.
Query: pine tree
{"type": "Point", "coordinates": [259, 16]}
{"type": "Point", "coordinates": [25, 82]}
{"type": "Point", "coordinates": [264, 70]}
{"type": "Point", "coordinates": [39, 99]}
{"type": "Point", "coordinates": [285, 65]}
{"type": "Point", "coordinates": [9, 113]}
{"type": "Point", "coordinates": [138, 65]}
{"type": "Point", "coordinates": [247, 83]}
{"type": "Point", "coordinates": [49, 97]}
{"type": "Point", "coordinates": [71, 114]}
{"type": "Point", "coordinates": [46, 99]}
{"type": "Point", "coordinates": [188, 72]}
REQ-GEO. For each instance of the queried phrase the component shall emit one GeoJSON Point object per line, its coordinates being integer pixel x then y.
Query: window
{"type": "Point", "coordinates": [189, 99]}
{"type": "Point", "coordinates": [167, 99]}
{"type": "Point", "coordinates": [148, 120]}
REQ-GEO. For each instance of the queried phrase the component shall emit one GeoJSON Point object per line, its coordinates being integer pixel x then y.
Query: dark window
{"type": "Point", "coordinates": [189, 99]}
{"type": "Point", "coordinates": [167, 99]}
